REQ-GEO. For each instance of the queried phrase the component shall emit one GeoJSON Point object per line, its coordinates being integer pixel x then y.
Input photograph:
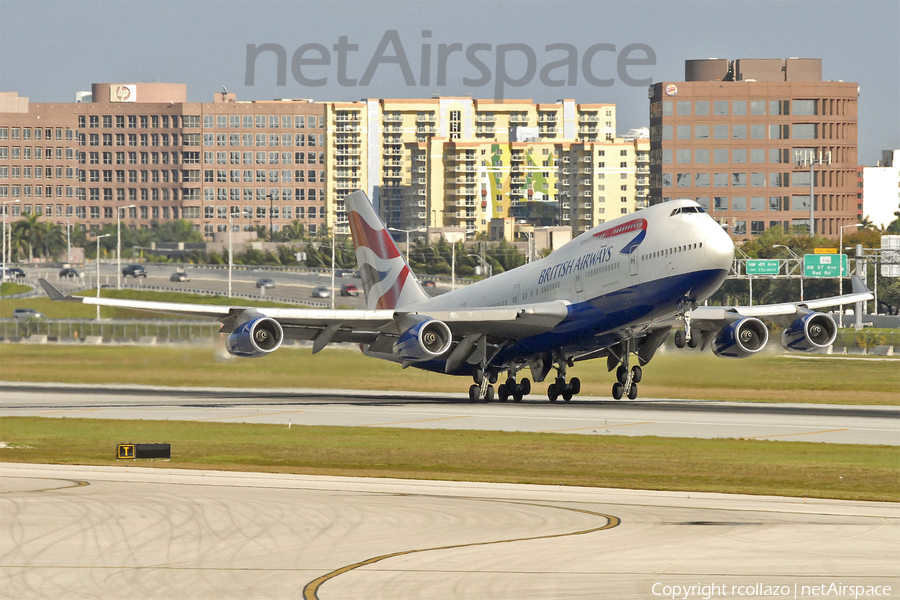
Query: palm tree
{"type": "Point", "coordinates": [866, 222]}
{"type": "Point", "coordinates": [27, 231]}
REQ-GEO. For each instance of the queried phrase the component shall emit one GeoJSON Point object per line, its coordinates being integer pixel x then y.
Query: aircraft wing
{"type": "Point", "coordinates": [783, 311]}
{"type": "Point", "coordinates": [357, 326]}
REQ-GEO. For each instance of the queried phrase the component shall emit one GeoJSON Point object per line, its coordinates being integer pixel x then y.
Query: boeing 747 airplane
{"type": "Point", "coordinates": [614, 292]}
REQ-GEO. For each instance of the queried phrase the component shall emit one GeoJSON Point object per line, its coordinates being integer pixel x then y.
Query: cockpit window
{"type": "Point", "coordinates": [687, 210]}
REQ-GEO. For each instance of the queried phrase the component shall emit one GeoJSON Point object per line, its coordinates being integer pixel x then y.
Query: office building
{"type": "Point", "coordinates": [745, 138]}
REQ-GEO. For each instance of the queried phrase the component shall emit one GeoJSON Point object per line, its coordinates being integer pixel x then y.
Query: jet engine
{"type": "Point", "coordinates": [255, 338]}
{"type": "Point", "coordinates": [424, 341]}
{"type": "Point", "coordinates": [741, 338]}
{"type": "Point", "coordinates": [810, 332]}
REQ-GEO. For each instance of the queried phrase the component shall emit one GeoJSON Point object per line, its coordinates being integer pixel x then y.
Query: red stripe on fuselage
{"type": "Point", "coordinates": [634, 225]}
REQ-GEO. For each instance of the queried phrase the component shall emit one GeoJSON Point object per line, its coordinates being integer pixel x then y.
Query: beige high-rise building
{"type": "Point", "coordinates": [459, 162]}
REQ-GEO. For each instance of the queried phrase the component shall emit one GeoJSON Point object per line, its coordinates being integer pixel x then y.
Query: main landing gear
{"type": "Point", "coordinates": [559, 387]}
{"type": "Point", "coordinates": [627, 377]}
{"type": "Point", "coordinates": [483, 388]}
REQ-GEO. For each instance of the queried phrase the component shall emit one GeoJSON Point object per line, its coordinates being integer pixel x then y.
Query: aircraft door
{"type": "Point", "coordinates": [633, 260]}
{"type": "Point", "coordinates": [515, 295]}
{"type": "Point", "coordinates": [579, 287]}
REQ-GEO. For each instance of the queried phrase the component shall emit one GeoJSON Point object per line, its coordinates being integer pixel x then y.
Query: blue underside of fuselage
{"type": "Point", "coordinates": [599, 323]}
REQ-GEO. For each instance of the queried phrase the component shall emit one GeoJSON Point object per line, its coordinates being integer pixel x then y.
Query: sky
{"type": "Point", "coordinates": [50, 50]}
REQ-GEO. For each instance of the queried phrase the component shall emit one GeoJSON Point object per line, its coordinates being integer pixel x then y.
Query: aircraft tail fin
{"type": "Point", "coordinates": [387, 280]}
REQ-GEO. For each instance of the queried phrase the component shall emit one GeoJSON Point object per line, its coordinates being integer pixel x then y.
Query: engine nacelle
{"type": "Point", "coordinates": [424, 341]}
{"type": "Point", "coordinates": [812, 331]}
{"type": "Point", "coordinates": [741, 338]}
{"type": "Point", "coordinates": [255, 338]}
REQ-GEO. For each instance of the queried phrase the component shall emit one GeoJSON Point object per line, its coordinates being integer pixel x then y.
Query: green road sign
{"type": "Point", "coordinates": [763, 267]}
{"type": "Point", "coordinates": [824, 265]}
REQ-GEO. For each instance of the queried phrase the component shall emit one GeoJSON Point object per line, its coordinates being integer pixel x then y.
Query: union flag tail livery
{"type": "Point", "coordinates": [387, 280]}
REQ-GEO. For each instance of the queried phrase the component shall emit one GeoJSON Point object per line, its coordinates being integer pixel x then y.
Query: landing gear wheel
{"type": "Point", "coordinates": [567, 394]}
{"type": "Point", "coordinates": [552, 392]}
{"type": "Point", "coordinates": [474, 392]}
{"type": "Point", "coordinates": [576, 386]}
{"type": "Point", "coordinates": [622, 374]}
{"type": "Point", "coordinates": [679, 339]}
{"type": "Point", "coordinates": [517, 395]}
{"type": "Point", "coordinates": [489, 393]}
{"type": "Point", "coordinates": [493, 376]}
{"type": "Point", "coordinates": [636, 374]}
{"type": "Point", "coordinates": [502, 392]}
{"type": "Point", "coordinates": [617, 391]}
{"type": "Point", "coordinates": [526, 386]}
{"type": "Point", "coordinates": [694, 341]}
{"type": "Point", "coordinates": [510, 384]}
{"type": "Point", "coordinates": [478, 376]}
{"type": "Point", "coordinates": [632, 392]}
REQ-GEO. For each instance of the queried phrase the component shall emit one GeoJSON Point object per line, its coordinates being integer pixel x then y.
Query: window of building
{"type": "Point", "coordinates": [720, 107]}
{"type": "Point", "coordinates": [804, 131]}
{"type": "Point", "coordinates": [701, 155]}
{"type": "Point", "coordinates": [804, 107]}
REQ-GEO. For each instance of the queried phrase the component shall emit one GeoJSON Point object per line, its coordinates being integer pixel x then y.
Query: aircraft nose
{"type": "Point", "coordinates": [719, 248]}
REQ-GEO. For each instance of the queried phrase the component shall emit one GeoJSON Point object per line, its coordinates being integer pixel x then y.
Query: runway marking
{"type": "Point", "coordinates": [801, 433]}
{"type": "Point", "coordinates": [75, 483]}
{"type": "Point", "coordinates": [56, 412]}
{"type": "Point", "coordinates": [598, 427]}
{"type": "Point", "coordinates": [283, 412]}
{"type": "Point", "coordinates": [419, 421]}
{"type": "Point", "coordinates": [310, 592]}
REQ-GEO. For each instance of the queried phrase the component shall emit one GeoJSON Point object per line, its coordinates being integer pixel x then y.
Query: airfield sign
{"type": "Point", "coordinates": [824, 265]}
{"type": "Point", "coordinates": [763, 267]}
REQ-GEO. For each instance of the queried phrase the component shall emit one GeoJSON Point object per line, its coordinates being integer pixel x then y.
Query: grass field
{"type": "Point", "coordinates": [682, 374]}
{"type": "Point", "coordinates": [8, 288]}
{"type": "Point", "coordinates": [72, 310]}
{"type": "Point", "coordinates": [729, 466]}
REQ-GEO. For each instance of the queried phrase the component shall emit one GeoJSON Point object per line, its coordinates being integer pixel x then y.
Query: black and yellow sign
{"type": "Point", "coordinates": [143, 451]}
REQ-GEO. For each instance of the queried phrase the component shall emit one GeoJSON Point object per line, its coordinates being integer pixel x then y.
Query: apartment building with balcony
{"type": "Point", "coordinates": [459, 162]}
{"type": "Point", "coordinates": [745, 139]}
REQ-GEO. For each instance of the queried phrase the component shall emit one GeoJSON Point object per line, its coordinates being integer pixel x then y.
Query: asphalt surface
{"type": "Point", "coordinates": [141, 533]}
{"type": "Point", "coordinates": [586, 416]}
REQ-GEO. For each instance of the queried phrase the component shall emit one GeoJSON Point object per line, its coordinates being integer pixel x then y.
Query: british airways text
{"type": "Point", "coordinates": [576, 264]}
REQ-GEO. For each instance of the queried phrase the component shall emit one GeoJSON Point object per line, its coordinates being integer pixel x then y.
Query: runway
{"type": "Point", "coordinates": [142, 533]}
{"type": "Point", "coordinates": [659, 417]}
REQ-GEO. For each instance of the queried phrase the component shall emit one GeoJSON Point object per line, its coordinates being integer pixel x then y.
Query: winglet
{"type": "Point", "coordinates": [55, 294]}
{"type": "Point", "coordinates": [858, 286]}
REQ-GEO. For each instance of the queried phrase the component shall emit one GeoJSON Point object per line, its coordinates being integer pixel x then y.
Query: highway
{"type": "Point", "coordinates": [584, 415]}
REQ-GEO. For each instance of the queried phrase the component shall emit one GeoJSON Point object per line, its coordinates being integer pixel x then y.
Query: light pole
{"type": "Point", "coordinates": [812, 162]}
{"type": "Point", "coordinates": [119, 245]}
{"type": "Point", "coordinates": [800, 263]}
{"type": "Point", "coordinates": [68, 242]}
{"type": "Point", "coordinates": [407, 232]}
{"type": "Point", "coordinates": [487, 265]}
{"type": "Point", "coordinates": [6, 234]}
{"type": "Point", "coordinates": [841, 258]}
{"type": "Point", "coordinates": [230, 250]}
{"type": "Point", "coordinates": [98, 269]}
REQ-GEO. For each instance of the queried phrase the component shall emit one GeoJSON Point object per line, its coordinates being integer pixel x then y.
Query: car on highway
{"type": "Point", "coordinates": [13, 273]}
{"type": "Point", "coordinates": [68, 272]}
{"type": "Point", "coordinates": [179, 276]}
{"type": "Point", "coordinates": [428, 283]}
{"type": "Point", "coordinates": [348, 289]}
{"type": "Point", "coordinates": [134, 271]}
{"type": "Point", "coordinates": [27, 313]}
{"type": "Point", "coordinates": [321, 291]}
{"type": "Point", "coordinates": [265, 283]}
